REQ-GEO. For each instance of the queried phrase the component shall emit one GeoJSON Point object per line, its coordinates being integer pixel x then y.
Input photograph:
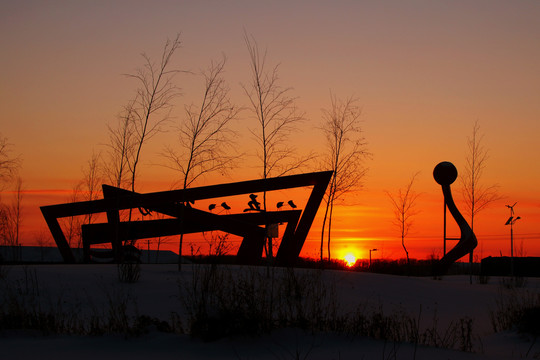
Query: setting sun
{"type": "Point", "coordinates": [350, 259]}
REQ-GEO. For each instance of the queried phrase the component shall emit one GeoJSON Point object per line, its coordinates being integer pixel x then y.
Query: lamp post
{"type": "Point", "coordinates": [370, 250]}
{"type": "Point", "coordinates": [511, 221]}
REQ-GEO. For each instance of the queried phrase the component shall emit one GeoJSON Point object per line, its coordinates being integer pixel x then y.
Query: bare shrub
{"type": "Point", "coordinates": [221, 303]}
{"type": "Point", "coordinates": [25, 305]}
{"type": "Point", "coordinates": [482, 279]}
{"type": "Point", "coordinates": [250, 302]}
{"type": "Point", "coordinates": [513, 308]}
{"type": "Point", "coordinates": [129, 272]}
{"type": "Point", "coordinates": [513, 282]}
{"type": "Point", "coordinates": [399, 326]}
{"type": "Point", "coordinates": [129, 269]}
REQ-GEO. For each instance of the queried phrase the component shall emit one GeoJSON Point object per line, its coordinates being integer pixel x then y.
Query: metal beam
{"type": "Point", "coordinates": [142, 229]}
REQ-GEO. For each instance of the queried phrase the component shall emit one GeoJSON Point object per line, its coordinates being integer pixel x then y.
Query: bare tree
{"type": "Point", "coordinates": [277, 116]}
{"type": "Point", "coordinates": [87, 189]}
{"type": "Point", "coordinates": [10, 214]}
{"type": "Point", "coordinates": [15, 215]}
{"type": "Point", "coordinates": [142, 118]}
{"type": "Point", "coordinates": [346, 152]}
{"type": "Point", "coordinates": [4, 224]}
{"type": "Point", "coordinates": [90, 185]}
{"type": "Point", "coordinates": [153, 102]}
{"type": "Point", "coordinates": [403, 203]}
{"type": "Point", "coordinates": [476, 195]}
{"type": "Point", "coordinates": [11, 220]}
{"type": "Point", "coordinates": [9, 164]}
{"type": "Point", "coordinates": [121, 148]}
{"type": "Point", "coordinates": [205, 137]}
{"type": "Point", "coordinates": [72, 224]}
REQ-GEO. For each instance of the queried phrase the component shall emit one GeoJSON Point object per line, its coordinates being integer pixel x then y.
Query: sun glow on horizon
{"type": "Point", "coordinates": [350, 259]}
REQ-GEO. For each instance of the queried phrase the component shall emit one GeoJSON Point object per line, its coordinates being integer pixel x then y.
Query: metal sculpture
{"type": "Point", "coordinates": [445, 173]}
{"type": "Point", "coordinates": [179, 205]}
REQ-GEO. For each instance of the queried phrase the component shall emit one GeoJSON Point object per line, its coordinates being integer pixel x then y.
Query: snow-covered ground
{"type": "Point", "coordinates": [90, 288]}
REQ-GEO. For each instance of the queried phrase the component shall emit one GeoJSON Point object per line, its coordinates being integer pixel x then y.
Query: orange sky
{"type": "Point", "coordinates": [423, 72]}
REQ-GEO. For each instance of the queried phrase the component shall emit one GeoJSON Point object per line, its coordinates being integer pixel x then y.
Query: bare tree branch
{"type": "Point", "coordinates": [90, 185]}
{"type": "Point", "coordinates": [403, 203]}
{"type": "Point", "coordinates": [346, 152]}
{"type": "Point", "coordinates": [10, 214]}
{"type": "Point", "coordinates": [276, 114]}
{"type": "Point", "coordinates": [9, 164]}
{"type": "Point", "coordinates": [12, 217]}
{"type": "Point", "coordinates": [476, 195]}
{"type": "Point", "coordinates": [154, 95]}
{"type": "Point", "coordinates": [205, 138]}
{"type": "Point", "coordinates": [121, 147]}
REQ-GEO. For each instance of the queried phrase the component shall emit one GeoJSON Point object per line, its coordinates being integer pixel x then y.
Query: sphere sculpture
{"type": "Point", "coordinates": [445, 173]}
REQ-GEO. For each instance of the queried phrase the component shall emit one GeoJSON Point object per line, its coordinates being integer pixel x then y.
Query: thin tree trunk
{"type": "Point", "coordinates": [330, 226]}
{"type": "Point", "coordinates": [322, 232]}
{"type": "Point", "coordinates": [405, 248]}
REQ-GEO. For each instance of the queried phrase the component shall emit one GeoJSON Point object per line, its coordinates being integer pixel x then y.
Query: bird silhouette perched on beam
{"type": "Point", "coordinates": [254, 204]}
{"type": "Point", "coordinates": [291, 204]}
{"type": "Point", "coordinates": [225, 206]}
{"type": "Point", "coordinates": [279, 204]}
{"type": "Point", "coordinates": [211, 207]}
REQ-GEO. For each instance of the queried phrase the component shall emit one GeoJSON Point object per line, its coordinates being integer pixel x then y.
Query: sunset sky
{"type": "Point", "coordinates": [423, 73]}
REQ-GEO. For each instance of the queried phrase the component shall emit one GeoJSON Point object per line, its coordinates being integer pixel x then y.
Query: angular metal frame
{"type": "Point", "coordinates": [189, 220]}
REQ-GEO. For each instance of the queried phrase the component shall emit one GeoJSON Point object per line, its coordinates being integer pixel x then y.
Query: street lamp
{"type": "Point", "coordinates": [370, 250]}
{"type": "Point", "coordinates": [511, 221]}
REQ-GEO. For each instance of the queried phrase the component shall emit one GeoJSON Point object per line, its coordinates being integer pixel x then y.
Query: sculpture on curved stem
{"type": "Point", "coordinates": [445, 173]}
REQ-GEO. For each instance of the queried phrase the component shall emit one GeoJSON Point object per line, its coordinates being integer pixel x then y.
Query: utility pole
{"type": "Point", "coordinates": [511, 221]}
{"type": "Point", "coordinates": [370, 250]}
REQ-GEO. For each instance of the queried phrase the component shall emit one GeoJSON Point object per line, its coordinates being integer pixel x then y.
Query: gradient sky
{"type": "Point", "coordinates": [423, 71]}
